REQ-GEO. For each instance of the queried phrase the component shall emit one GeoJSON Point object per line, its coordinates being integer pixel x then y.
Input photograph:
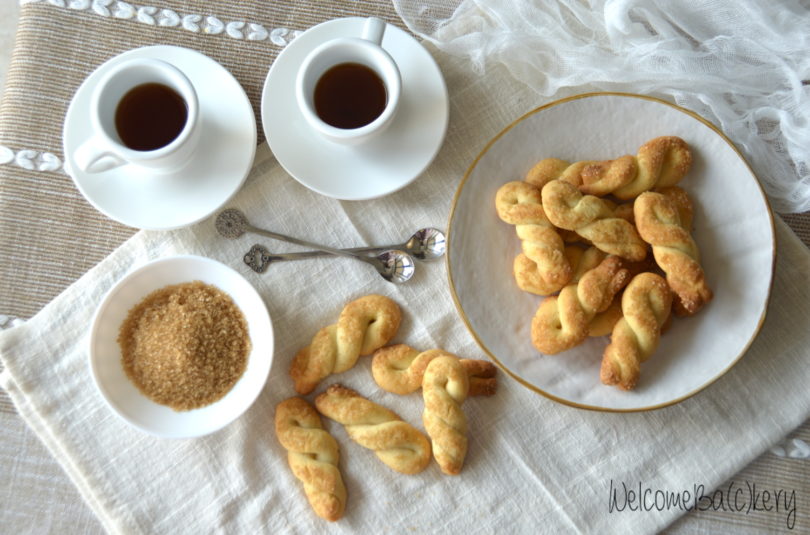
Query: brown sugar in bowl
{"type": "Point", "coordinates": [185, 345]}
{"type": "Point", "coordinates": [201, 361]}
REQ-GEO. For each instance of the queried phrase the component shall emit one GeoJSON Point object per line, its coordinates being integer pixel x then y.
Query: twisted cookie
{"type": "Point", "coordinates": [662, 162]}
{"type": "Point", "coordinates": [530, 279]}
{"type": "Point", "coordinates": [400, 369]}
{"type": "Point", "coordinates": [645, 307]}
{"type": "Point", "coordinates": [396, 443]}
{"type": "Point", "coordinates": [593, 219]}
{"type": "Point", "coordinates": [592, 177]}
{"type": "Point", "coordinates": [550, 169]}
{"type": "Point", "coordinates": [313, 456]}
{"type": "Point", "coordinates": [584, 260]}
{"type": "Point", "coordinates": [659, 163]}
{"type": "Point", "coordinates": [444, 389]}
{"type": "Point", "coordinates": [603, 322]}
{"type": "Point", "coordinates": [659, 223]}
{"type": "Point", "coordinates": [562, 322]}
{"type": "Point", "coordinates": [542, 267]}
{"type": "Point", "coordinates": [364, 325]}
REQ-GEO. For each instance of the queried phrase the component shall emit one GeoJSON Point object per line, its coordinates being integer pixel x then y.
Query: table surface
{"type": "Point", "coordinates": [29, 469]}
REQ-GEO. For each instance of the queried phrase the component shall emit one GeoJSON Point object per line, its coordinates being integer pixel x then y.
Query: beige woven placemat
{"type": "Point", "coordinates": [49, 235]}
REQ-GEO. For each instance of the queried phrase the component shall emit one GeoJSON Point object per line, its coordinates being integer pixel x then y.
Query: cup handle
{"type": "Point", "coordinates": [373, 30]}
{"type": "Point", "coordinates": [93, 156]}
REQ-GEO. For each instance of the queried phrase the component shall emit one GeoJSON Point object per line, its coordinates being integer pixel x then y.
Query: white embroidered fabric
{"type": "Point", "coordinates": [36, 160]}
{"type": "Point", "coordinates": [192, 22]}
{"type": "Point", "coordinates": [792, 448]}
{"type": "Point", "coordinates": [742, 65]}
{"type": "Point", "coordinates": [30, 159]}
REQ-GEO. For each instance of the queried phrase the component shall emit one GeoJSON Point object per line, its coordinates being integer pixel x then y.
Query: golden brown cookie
{"type": "Point", "coordinates": [660, 162]}
{"type": "Point", "coordinates": [550, 169]}
{"type": "Point", "coordinates": [530, 279]}
{"type": "Point", "coordinates": [444, 389]}
{"type": "Point", "coordinates": [400, 369]}
{"type": "Point", "coordinates": [364, 325]}
{"type": "Point", "coordinates": [603, 322]}
{"type": "Point", "coordinates": [658, 219]}
{"type": "Point", "coordinates": [593, 219]}
{"type": "Point", "coordinates": [562, 322]}
{"type": "Point", "coordinates": [645, 309]}
{"type": "Point", "coordinates": [601, 178]}
{"type": "Point", "coordinates": [543, 268]}
{"type": "Point", "coordinates": [396, 443]}
{"type": "Point", "coordinates": [313, 456]}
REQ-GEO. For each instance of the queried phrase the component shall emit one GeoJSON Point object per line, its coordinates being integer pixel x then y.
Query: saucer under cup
{"type": "Point", "coordinates": [384, 164]}
{"type": "Point", "coordinates": [140, 198]}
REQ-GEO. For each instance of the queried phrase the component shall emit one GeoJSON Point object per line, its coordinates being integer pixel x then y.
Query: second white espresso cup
{"type": "Point", "coordinates": [106, 150]}
{"type": "Point", "coordinates": [364, 50]}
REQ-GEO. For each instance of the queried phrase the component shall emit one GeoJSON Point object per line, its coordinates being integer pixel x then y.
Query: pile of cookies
{"type": "Point", "coordinates": [586, 232]}
{"type": "Point", "coordinates": [364, 327]}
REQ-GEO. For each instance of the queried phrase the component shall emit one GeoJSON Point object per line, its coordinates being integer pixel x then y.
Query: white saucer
{"type": "Point", "coordinates": [138, 199]}
{"type": "Point", "coordinates": [381, 166]}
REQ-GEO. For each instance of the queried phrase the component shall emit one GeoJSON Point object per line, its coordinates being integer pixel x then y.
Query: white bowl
{"type": "Point", "coordinates": [124, 398]}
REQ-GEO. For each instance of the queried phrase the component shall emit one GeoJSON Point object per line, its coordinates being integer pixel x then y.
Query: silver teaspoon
{"type": "Point", "coordinates": [394, 266]}
{"type": "Point", "coordinates": [425, 244]}
{"type": "Point", "coordinates": [258, 258]}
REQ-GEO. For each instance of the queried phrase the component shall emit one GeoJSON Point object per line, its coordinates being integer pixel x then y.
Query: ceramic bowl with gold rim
{"type": "Point", "coordinates": [733, 228]}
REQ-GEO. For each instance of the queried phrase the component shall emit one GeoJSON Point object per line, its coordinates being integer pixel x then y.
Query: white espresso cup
{"type": "Point", "coordinates": [341, 52]}
{"type": "Point", "coordinates": [107, 149]}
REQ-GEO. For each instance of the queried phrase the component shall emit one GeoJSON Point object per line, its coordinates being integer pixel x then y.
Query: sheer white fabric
{"type": "Point", "coordinates": [744, 66]}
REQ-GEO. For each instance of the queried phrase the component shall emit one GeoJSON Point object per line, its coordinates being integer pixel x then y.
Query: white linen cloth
{"type": "Point", "coordinates": [533, 465]}
{"type": "Point", "coordinates": [742, 65]}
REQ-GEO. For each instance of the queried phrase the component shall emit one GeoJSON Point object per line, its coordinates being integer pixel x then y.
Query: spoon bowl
{"type": "Point", "coordinates": [426, 244]}
{"type": "Point", "coordinates": [397, 266]}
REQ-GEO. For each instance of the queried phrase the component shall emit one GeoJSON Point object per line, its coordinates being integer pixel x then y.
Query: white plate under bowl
{"type": "Point", "coordinates": [733, 229]}
{"type": "Point", "coordinates": [381, 166]}
{"type": "Point", "coordinates": [123, 396]}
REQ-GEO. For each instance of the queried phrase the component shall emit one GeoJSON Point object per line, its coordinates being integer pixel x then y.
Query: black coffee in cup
{"type": "Point", "coordinates": [150, 116]}
{"type": "Point", "coordinates": [349, 95]}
